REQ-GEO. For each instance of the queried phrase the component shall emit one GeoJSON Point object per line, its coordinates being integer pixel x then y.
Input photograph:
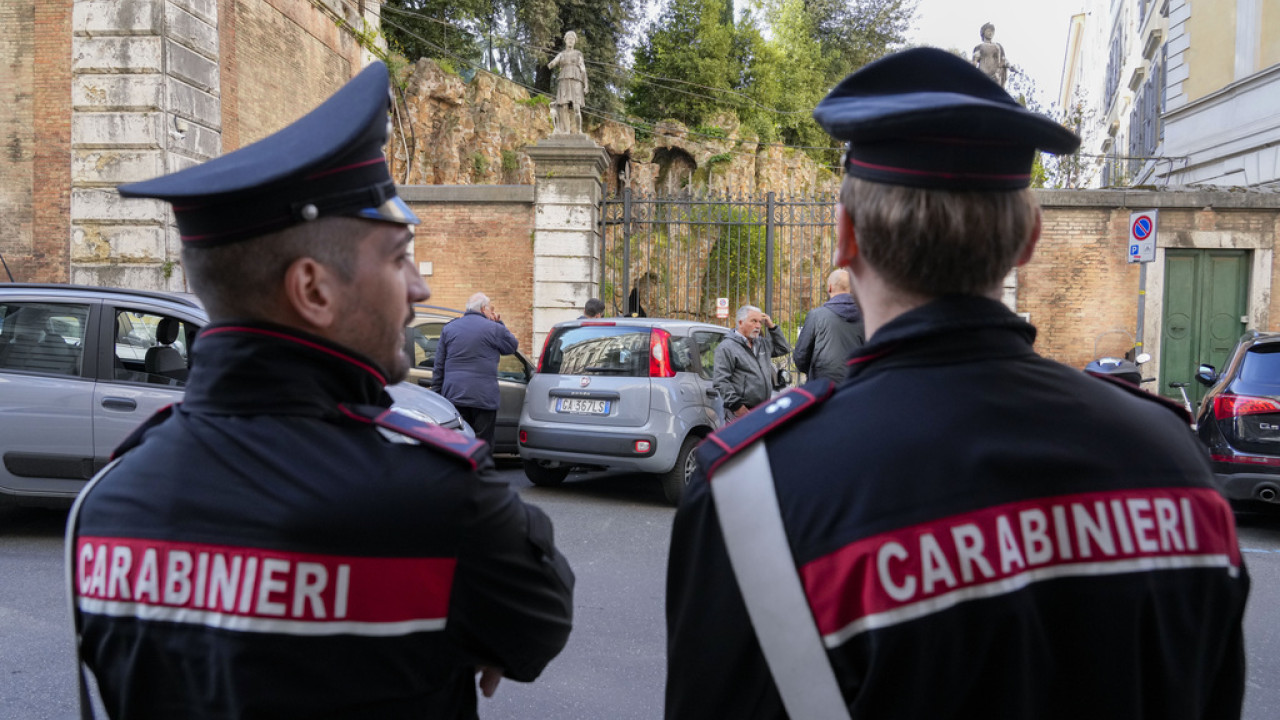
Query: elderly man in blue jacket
{"type": "Point", "coordinates": [466, 368]}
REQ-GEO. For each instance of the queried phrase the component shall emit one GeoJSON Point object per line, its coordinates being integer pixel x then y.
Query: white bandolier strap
{"type": "Point", "coordinates": [756, 540]}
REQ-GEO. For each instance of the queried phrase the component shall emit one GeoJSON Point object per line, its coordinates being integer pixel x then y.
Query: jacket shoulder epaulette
{"type": "Point", "coordinates": [1166, 403]}
{"type": "Point", "coordinates": [135, 437]}
{"type": "Point", "coordinates": [450, 442]}
{"type": "Point", "coordinates": [765, 418]}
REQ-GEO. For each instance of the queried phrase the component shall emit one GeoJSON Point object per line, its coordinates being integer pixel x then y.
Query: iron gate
{"type": "Point", "coordinates": [677, 256]}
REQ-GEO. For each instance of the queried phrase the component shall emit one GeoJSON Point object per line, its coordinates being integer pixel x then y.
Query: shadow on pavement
{"type": "Point", "coordinates": [33, 521]}
{"type": "Point", "coordinates": [613, 487]}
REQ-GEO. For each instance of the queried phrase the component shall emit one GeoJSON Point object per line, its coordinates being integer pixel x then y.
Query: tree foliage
{"type": "Point", "coordinates": [770, 65]}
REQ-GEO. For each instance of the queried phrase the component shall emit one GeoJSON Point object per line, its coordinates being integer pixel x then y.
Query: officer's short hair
{"type": "Point", "coordinates": [241, 279]}
{"type": "Point", "coordinates": [744, 311]}
{"type": "Point", "coordinates": [938, 242]}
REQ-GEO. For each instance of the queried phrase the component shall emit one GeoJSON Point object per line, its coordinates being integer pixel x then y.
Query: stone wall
{"type": "Point", "coordinates": [455, 132]}
{"type": "Point", "coordinates": [478, 239]}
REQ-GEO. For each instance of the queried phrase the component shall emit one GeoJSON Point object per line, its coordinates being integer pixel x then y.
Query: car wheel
{"type": "Point", "coordinates": [544, 476]}
{"type": "Point", "coordinates": [674, 480]}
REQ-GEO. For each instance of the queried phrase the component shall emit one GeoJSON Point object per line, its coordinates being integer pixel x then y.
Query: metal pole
{"type": "Point", "coordinates": [626, 253]}
{"type": "Point", "coordinates": [768, 255]}
{"type": "Point", "coordinates": [1142, 308]}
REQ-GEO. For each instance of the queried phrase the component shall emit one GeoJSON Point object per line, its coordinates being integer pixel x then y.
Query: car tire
{"type": "Point", "coordinates": [674, 480]}
{"type": "Point", "coordinates": [544, 476]}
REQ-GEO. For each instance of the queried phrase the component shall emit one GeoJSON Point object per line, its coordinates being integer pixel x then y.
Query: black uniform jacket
{"type": "Point", "coordinates": [269, 550]}
{"type": "Point", "coordinates": [981, 533]}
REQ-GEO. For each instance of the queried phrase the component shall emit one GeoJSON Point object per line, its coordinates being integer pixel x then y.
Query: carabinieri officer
{"type": "Point", "coordinates": [961, 528]}
{"type": "Point", "coordinates": [282, 544]}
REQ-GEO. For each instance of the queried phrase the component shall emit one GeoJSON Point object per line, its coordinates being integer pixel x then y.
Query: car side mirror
{"type": "Point", "coordinates": [1206, 375]}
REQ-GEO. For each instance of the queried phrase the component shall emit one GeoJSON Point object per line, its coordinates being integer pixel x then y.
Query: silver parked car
{"type": "Point", "coordinates": [626, 394]}
{"type": "Point", "coordinates": [81, 367]}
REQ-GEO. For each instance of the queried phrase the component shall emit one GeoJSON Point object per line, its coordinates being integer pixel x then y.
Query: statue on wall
{"type": "Point", "coordinates": [989, 56]}
{"type": "Point", "coordinates": [571, 88]}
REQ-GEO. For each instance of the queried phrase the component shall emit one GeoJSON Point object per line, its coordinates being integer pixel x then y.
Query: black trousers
{"type": "Point", "coordinates": [484, 422]}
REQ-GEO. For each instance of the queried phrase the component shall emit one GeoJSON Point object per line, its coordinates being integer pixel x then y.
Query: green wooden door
{"type": "Point", "coordinates": [1205, 298]}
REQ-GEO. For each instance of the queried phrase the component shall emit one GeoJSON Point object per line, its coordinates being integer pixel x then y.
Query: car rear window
{"type": "Point", "coordinates": [598, 350]}
{"type": "Point", "coordinates": [1262, 365]}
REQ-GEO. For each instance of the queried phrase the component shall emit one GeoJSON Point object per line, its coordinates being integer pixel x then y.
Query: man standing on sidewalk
{"type": "Point", "coordinates": [831, 332]}
{"type": "Point", "coordinates": [743, 371]}
{"type": "Point", "coordinates": [466, 369]}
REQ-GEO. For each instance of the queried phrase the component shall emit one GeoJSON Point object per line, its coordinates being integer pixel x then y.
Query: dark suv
{"type": "Point", "coordinates": [1239, 421]}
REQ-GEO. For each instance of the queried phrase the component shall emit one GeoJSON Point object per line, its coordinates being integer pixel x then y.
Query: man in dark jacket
{"type": "Point", "coordinates": [743, 371]}
{"type": "Point", "coordinates": [283, 544]}
{"type": "Point", "coordinates": [831, 332]}
{"type": "Point", "coordinates": [962, 528]}
{"type": "Point", "coordinates": [466, 366]}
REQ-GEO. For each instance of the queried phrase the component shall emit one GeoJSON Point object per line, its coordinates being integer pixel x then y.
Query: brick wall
{"type": "Point", "coordinates": [1083, 295]}
{"type": "Point", "coordinates": [479, 239]}
{"type": "Point", "coordinates": [35, 133]}
{"type": "Point", "coordinates": [281, 59]}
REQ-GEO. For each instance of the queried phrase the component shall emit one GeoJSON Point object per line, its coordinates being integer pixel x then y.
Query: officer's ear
{"type": "Point", "coordinates": [1029, 249]}
{"type": "Point", "coordinates": [846, 238]}
{"type": "Point", "coordinates": [312, 293]}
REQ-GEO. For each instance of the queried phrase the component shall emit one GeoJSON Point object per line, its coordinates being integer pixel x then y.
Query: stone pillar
{"type": "Point", "coordinates": [145, 101]}
{"type": "Point", "coordinates": [566, 230]}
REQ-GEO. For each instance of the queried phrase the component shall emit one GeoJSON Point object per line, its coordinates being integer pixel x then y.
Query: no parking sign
{"type": "Point", "coordinates": [722, 307]}
{"type": "Point", "coordinates": [1142, 236]}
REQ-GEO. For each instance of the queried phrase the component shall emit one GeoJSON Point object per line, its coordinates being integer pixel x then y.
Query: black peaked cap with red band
{"type": "Point", "coordinates": [928, 119]}
{"type": "Point", "coordinates": [328, 163]}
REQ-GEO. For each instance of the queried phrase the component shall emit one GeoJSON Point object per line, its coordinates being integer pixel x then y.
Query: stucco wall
{"type": "Point", "coordinates": [1211, 55]}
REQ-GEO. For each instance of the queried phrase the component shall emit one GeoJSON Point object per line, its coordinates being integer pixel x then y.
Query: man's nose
{"type": "Point", "coordinates": [417, 289]}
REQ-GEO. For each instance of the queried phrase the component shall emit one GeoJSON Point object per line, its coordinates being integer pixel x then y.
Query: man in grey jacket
{"type": "Point", "coordinates": [743, 371]}
{"type": "Point", "coordinates": [831, 332]}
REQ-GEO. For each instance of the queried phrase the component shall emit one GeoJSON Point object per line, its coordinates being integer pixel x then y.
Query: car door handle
{"type": "Point", "coordinates": [119, 403]}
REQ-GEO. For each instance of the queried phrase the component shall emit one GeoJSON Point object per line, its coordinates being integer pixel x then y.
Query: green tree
{"type": "Point", "coordinates": [694, 43]}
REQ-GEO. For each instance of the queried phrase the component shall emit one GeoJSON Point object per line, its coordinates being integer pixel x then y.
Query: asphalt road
{"type": "Point", "coordinates": [614, 531]}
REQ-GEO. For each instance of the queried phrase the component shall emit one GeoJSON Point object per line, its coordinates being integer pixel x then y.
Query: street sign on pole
{"type": "Point", "coordinates": [722, 308]}
{"type": "Point", "coordinates": [1142, 236]}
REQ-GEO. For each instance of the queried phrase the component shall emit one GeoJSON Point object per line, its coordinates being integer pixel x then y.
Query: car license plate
{"type": "Point", "coordinates": [579, 406]}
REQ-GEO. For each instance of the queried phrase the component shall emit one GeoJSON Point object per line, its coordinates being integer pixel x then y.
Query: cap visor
{"type": "Point", "coordinates": [393, 210]}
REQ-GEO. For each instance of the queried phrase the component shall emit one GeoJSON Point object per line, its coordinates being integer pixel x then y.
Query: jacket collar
{"type": "Point", "coordinates": [947, 328]}
{"type": "Point", "coordinates": [265, 369]}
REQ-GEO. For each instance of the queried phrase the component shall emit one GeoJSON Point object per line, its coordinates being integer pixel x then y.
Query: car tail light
{"type": "Point", "coordinates": [642, 446]}
{"type": "Point", "coordinates": [524, 437]}
{"type": "Point", "coordinates": [660, 354]}
{"type": "Point", "coordinates": [1228, 406]}
{"type": "Point", "coordinates": [1246, 459]}
{"type": "Point", "coordinates": [545, 342]}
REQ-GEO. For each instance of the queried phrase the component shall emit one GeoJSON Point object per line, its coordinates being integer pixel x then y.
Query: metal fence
{"type": "Point", "coordinates": [682, 256]}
